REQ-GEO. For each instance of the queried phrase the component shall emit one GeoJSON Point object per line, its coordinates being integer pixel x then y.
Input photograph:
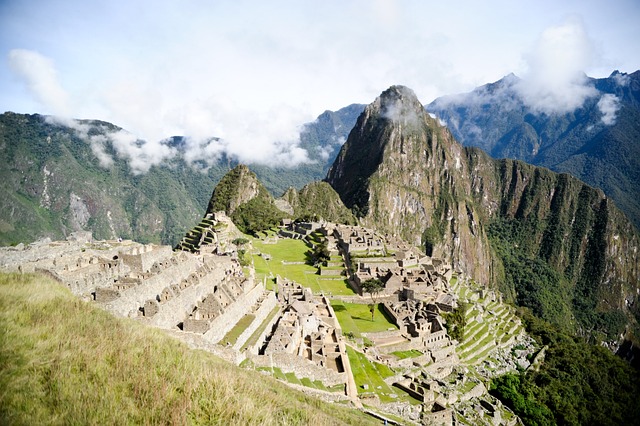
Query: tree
{"type": "Point", "coordinates": [321, 254]}
{"type": "Point", "coordinates": [373, 286]}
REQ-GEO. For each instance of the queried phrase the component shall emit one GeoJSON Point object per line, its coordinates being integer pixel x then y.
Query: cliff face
{"type": "Point", "coordinates": [599, 149]}
{"type": "Point", "coordinates": [404, 174]}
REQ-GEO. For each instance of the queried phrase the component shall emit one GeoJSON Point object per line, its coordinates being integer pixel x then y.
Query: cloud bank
{"type": "Point", "coordinates": [555, 81]}
{"type": "Point", "coordinates": [39, 75]}
{"type": "Point", "coordinates": [251, 72]}
{"type": "Point", "coordinates": [609, 105]}
{"type": "Point", "coordinates": [251, 136]}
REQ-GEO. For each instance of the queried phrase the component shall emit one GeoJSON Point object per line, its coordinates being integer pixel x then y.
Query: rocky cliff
{"type": "Point", "coordinates": [403, 173]}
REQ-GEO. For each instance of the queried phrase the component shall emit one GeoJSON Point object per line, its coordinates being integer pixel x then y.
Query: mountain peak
{"type": "Point", "coordinates": [399, 103]}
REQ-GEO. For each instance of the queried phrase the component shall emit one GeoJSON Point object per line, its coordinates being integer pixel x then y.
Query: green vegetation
{"type": "Point", "coordinates": [554, 296]}
{"type": "Point", "coordinates": [355, 318]}
{"type": "Point", "coordinates": [320, 254]}
{"type": "Point", "coordinates": [412, 353]}
{"type": "Point", "coordinates": [232, 336]}
{"type": "Point", "coordinates": [373, 286]}
{"type": "Point", "coordinates": [519, 396]}
{"type": "Point", "coordinates": [456, 321]}
{"type": "Point", "coordinates": [577, 383]}
{"type": "Point", "coordinates": [64, 361]}
{"type": "Point", "coordinates": [251, 216]}
{"type": "Point", "coordinates": [256, 334]}
{"type": "Point", "coordinates": [370, 375]}
{"type": "Point", "coordinates": [256, 215]}
{"type": "Point", "coordinates": [240, 241]}
{"type": "Point", "coordinates": [295, 267]}
{"type": "Point", "coordinates": [318, 200]}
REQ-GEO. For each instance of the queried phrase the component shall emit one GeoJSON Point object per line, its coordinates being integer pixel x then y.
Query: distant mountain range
{"type": "Point", "coordinates": [52, 182]}
{"type": "Point", "coordinates": [599, 142]}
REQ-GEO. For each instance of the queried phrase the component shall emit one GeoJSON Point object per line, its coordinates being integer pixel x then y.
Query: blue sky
{"type": "Point", "coordinates": [253, 71]}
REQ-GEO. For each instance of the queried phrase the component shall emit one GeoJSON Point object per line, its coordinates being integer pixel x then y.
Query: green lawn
{"type": "Point", "coordinates": [356, 318]}
{"type": "Point", "coordinates": [236, 331]}
{"type": "Point", "coordinates": [371, 374]}
{"type": "Point", "coordinates": [289, 250]}
{"type": "Point", "coordinates": [304, 381]}
{"type": "Point", "coordinates": [256, 334]}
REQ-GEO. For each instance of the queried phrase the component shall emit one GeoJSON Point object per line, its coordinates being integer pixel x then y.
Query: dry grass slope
{"type": "Point", "coordinates": [64, 361]}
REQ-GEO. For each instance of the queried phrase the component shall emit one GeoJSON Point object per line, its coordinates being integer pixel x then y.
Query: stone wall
{"type": "Point", "coordinates": [301, 367]}
{"type": "Point", "coordinates": [175, 309]}
{"type": "Point", "coordinates": [263, 310]}
{"type": "Point", "coordinates": [142, 258]}
{"type": "Point", "coordinates": [133, 298]}
{"type": "Point", "coordinates": [221, 325]}
{"type": "Point", "coordinates": [255, 349]}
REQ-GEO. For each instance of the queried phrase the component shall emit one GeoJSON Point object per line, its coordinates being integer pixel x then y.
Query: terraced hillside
{"type": "Point", "coordinates": [490, 324]}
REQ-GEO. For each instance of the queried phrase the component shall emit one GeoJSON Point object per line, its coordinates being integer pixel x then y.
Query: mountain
{"type": "Point", "coordinates": [598, 142]}
{"type": "Point", "coordinates": [547, 240]}
{"type": "Point", "coordinates": [246, 202]}
{"type": "Point", "coordinates": [62, 177]}
{"type": "Point", "coordinates": [52, 184]}
{"type": "Point", "coordinates": [318, 200]}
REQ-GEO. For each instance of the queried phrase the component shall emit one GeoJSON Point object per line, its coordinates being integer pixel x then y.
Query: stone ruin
{"type": "Point", "coordinates": [307, 339]}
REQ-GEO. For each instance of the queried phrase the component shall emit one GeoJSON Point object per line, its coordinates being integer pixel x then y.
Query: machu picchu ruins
{"type": "Point", "coordinates": [201, 293]}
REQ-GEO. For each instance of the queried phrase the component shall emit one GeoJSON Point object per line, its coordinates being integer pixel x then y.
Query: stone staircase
{"type": "Point", "coordinates": [203, 233]}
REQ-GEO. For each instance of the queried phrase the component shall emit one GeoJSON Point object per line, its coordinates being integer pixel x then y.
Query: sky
{"type": "Point", "coordinates": [252, 72]}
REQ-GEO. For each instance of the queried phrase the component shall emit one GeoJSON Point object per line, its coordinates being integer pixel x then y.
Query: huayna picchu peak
{"type": "Point", "coordinates": [547, 240]}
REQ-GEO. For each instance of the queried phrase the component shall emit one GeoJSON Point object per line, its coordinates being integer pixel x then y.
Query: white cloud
{"type": "Point", "coordinates": [251, 72]}
{"type": "Point", "coordinates": [39, 74]}
{"type": "Point", "coordinates": [396, 107]}
{"type": "Point", "coordinates": [99, 149]}
{"type": "Point", "coordinates": [555, 81]}
{"type": "Point", "coordinates": [621, 79]}
{"type": "Point", "coordinates": [609, 105]}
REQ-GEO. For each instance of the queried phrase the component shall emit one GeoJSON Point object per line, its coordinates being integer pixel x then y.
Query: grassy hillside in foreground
{"type": "Point", "coordinates": [64, 361]}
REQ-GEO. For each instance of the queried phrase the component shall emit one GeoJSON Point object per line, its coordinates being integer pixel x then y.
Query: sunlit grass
{"type": "Point", "coordinates": [64, 361]}
{"type": "Point", "coordinates": [292, 252]}
{"type": "Point", "coordinates": [356, 318]}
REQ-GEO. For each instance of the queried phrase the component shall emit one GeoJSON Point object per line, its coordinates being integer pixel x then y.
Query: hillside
{"type": "Point", "coordinates": [94, 368]}
{"type": "Point", "coordinates": [63, 178]}
{"type": "Point", "coordinates": [547, 240]}
{"type": "Point", "coordinates": [597, 143]}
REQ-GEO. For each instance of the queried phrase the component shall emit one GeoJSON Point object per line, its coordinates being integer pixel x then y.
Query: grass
{"type": "Point", "coordinates": [370, 373]}
{"type": "Point", "coordinates": [305, 381]}
{"type": "Point", "coordinates": [412, 353]}
{"type": "Point", "coordinates": [65, 361]}
{"type": "Point", "coordinates": [289, 250]}
{"type": "Point", "coordinates": [232, 336]}
{"type": "Point", "coordinates": [356, 318]}
{"type": "Point", "coordinates": [256, 334]}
